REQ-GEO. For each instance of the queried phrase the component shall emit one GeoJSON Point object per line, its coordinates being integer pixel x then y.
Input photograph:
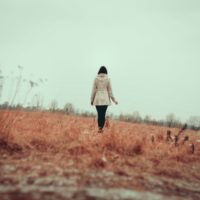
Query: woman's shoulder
{"type": "Point", "coordinates": [102, 77]}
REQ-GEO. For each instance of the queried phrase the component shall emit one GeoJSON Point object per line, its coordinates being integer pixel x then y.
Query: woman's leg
{"type": "Point", "coordinates": [98, 108]}
{"type": "Point", "coordinates": [103, 119]}
{"type": "Point", "coordinates": [101, 110]}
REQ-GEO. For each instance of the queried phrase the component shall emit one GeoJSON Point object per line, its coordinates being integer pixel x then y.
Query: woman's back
{"type": "Point", "coordinates": [101, 82]}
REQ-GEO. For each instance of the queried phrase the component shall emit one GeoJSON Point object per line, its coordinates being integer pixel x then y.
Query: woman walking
{"type": "Point", "coordinates": [102, 95]}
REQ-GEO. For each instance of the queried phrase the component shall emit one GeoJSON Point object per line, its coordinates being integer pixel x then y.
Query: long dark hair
{"type": "Point", "coordinates": [103, 70]}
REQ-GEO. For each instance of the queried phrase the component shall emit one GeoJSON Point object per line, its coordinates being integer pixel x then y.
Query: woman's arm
{"type": "Point", "coordinates": [110, 93]}
{"type": "Point", "coordinates": [94, 88]}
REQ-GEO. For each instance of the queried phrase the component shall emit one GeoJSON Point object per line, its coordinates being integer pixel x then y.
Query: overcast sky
{"type": "Point", "coordinates": [151, 49]}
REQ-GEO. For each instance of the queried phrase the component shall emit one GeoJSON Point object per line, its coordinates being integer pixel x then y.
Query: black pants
{"type": "Point", "coordinates": [101, 110]}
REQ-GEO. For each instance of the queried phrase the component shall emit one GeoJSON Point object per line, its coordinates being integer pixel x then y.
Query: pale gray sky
{"type": "Point", "coordinates": [151, 49]}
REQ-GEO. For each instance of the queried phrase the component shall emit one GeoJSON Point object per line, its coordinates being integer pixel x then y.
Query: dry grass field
{"type": "Point", "coordinates": [55, 156]}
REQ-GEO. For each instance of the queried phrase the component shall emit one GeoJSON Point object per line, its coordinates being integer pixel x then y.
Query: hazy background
{"type": "Point", "coordinates": [151, 49]}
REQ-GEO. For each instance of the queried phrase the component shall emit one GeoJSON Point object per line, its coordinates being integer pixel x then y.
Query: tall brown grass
{"type": "Point", "coordinates": [124, 148]}
{"type": "Point", "coordinates": [77, 137]}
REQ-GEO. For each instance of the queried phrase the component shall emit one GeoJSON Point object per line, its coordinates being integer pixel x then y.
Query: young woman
{"type": "Point", "coordinates": [102, 95]}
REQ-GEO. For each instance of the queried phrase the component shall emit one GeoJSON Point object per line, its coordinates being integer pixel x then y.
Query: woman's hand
{"type": "Point", "coordinates": [116, 102]}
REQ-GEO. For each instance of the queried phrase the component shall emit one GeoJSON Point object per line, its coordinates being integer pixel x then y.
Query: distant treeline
{"type": "Point", "coordinates": [170, 120]}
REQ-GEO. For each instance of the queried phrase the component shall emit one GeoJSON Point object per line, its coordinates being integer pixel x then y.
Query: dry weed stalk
{"type": "Point", "coordinates": [6, 121]}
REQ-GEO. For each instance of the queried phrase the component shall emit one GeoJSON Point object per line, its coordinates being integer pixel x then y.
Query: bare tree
{"type": "Point", "coordinates": [37, 102]}
{"type": "Point", "coordinates": [53, 106]}
{"type": "Point", "coordinates": [147, 119]}
{"type": "Point", "coordinates": [136, 117]}
{"type": "Point", "coordinates": [194, 122]}
{"type": "Point", "coordinates": [69, 108]}
{"type": "Point", "coordinates": [172, 121]}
